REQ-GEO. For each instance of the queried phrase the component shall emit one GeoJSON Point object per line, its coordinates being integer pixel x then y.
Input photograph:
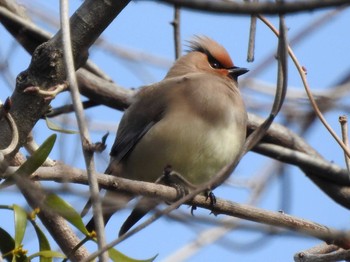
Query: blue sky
{"type": "Point", "coordinates": [144, 26]}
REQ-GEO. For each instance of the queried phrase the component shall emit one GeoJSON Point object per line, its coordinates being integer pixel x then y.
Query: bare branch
{"type": "Point", "coordinates": [281, 89]}
{"type": "Point", "coordinates": [4, 114]}
{"type": "Point", "coordinates": [299, 37]}
{"type": "Point", "coordinates": [322, 253]}
{"type": "Point", "coordinates": [252, 34]}
{"type": "Point", "coordinates": [343, 120]}
{"type": "Point", "coordinates": [47, 67]}
{"type": "Point", "coordinates": [176, 25]}
{"type": "Point", "coordinates": [65, 173]}
{"type": "Point", "coordinates": [84, 132]}
{"type": "Point", "coordinates": [55, 224]}
{"type": "Point", "coordinates": [226, 224]}
{"type": "Point", "coordinates": [251, 8]}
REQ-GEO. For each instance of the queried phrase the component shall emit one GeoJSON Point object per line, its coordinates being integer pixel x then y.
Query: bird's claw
{"type": "Point", "coordinates": [193, 208]}
{"type": "Point", "coordinates": [209, 194]}
{"type": "Point", "coordinates": [173, 179]}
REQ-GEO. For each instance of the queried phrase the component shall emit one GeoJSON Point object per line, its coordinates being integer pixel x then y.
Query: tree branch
{"type": "Point", "coordinates": [322, 253]}
{"type": "Point", "coordinates": [253, 8]}
{"type": "Point", "coordinates": [55, 224]}
{"type": "Point", "coordinates": [47, 67]}
{"type": "Point", "coordinates": [64, 173]}
{"type": "Point", "coordinates": [46, 70]}
{"type": "Point", "coordinates": [83, 130]}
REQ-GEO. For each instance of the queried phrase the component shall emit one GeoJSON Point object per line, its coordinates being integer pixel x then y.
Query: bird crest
{"type": "Point", "coordinates": [216, 53]}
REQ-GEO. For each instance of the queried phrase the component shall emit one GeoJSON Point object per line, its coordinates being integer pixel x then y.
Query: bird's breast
{"type": "Point", "coordinates": [193, 147]}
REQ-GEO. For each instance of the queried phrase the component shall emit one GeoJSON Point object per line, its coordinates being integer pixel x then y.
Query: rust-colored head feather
{"type": "Point", "coordinates": [205, 55]}
{"type": "Point", "coordinates": [212, 49]}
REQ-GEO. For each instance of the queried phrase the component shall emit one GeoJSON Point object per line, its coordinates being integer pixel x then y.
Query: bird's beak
{"type": "Point", "coordinates": [236, 71]}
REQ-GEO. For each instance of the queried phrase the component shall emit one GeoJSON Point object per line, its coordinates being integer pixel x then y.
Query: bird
{"type": "Point", "coordinates": [193, 120]}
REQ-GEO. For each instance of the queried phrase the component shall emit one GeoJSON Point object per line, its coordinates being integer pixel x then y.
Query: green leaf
{"type": "Point", "coordinates": [57, 204]}
{"type": "Point", "coordinates": [7, 244]}
{"type": "Point", "coordinates": [44, 244]}
{"type": "Point", "coordinates": [117, 256]}
{"type": "Point", "coordinates": [7, 248]}
{"type": "Point", "coordinates": [34, 161]}
{"type": "Point", "coordinates": [47, 254]}
{"type": "Point", "coordinates": [38, 157]}
{"type": "Point", "coordinates": [20, 224]}
{"type": "Point", "coordinates": [51, 125]}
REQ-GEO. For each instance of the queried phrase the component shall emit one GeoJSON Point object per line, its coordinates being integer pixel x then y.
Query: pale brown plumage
{"type": "Point", "coordinates": [193, 120]}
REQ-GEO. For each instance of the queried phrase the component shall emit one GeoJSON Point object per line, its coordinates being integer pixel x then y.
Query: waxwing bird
{"type": "Point", "coordinates": [194, 120]}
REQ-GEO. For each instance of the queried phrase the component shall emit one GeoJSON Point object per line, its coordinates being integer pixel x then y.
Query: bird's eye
{"type": "Point", "coordinates": [214, 63]}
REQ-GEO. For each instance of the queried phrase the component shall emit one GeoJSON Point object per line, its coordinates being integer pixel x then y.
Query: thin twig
{"type": "Point", "coordinates": [307, 89]}
{"type": "Point", "coordinates": [226, 224]}
{"type": "Point", "coordinates": [70, 108]}
{"type": "Point", "coordinates": [252, 34]}
{"type": "Point", "coordinates": [343, 120]}
{"type": "Point", "coordinates": [84, 134]}
{"type": "Point", "coordinates": [298, 37]}
{"type": "Point", "coordinates": [305, 161]}
{"type": "Point", "coordinates": [322, 253]}
{"type": "Point", "coordinates": [281, 89]}
{"type": "Point", "coordinates": [230, 208]}
{"type": "Point", "coordinates": [251, 44]}
{"type": "Point", "coordinates": [235, 7]}
{"type": "Point", "coordinates": [15, 136]}
{"type": "Point", "coordinates": [176, 24]}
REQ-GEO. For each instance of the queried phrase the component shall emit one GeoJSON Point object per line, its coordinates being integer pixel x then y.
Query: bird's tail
{"type": "Point", "coordinates": [142, 208]}
{"type": "Point", "coordinates": [111, 203]}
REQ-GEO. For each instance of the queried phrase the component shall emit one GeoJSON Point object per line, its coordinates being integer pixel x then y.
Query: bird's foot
{"type": "Point", "coordinates": [193, 208]}
{"type": "Point", "coordinates": [210, 195]}
{"type": "Point", "coordinates": [173, 179]}
{"type": "Point", "coordinates": [183, 187]}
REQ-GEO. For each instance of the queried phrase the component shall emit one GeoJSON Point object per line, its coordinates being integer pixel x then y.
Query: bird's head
{"type": "Point", "coordinates": [206, 55]}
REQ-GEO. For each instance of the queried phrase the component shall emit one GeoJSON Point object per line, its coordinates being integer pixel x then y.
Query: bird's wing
{"type": "Point", "coordinates": [139, 118]}
{"type": "Point", "coordinates": [135, 123]}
